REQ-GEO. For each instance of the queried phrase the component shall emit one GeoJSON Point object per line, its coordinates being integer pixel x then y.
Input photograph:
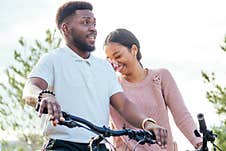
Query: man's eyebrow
{"type": "Point", "coordinates": [85, 17]}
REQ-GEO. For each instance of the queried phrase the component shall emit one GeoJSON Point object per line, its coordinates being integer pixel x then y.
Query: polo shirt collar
{"type": "Point", "coordinates": [76, 57]}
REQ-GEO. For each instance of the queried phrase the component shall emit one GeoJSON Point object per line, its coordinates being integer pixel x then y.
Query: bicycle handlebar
{"type": "Point", "coordinates": [140, 136]}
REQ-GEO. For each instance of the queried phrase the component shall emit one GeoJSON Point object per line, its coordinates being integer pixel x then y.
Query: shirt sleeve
{"type": "Point", "coordinates": [176, 104]}
{"type": "Point", "coordinates": [114, 85]}
{"type": "Point", "coordinates": [43, 69]}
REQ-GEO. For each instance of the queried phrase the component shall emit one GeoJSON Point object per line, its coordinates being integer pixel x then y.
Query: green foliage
{"type": "Point", "coordinates": [223, 47]}
{"type": "Point", "coordinates": [15, 115]}
{"type": "Point", "coordinates": [221, 135]}
{"type": "Point", "coordinates": [6, 146]}
{"type": "Point", "coordinates": [217, 96]}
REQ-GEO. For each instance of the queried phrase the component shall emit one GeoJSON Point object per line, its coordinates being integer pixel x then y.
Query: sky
{"type": "Point", "coordinates": [183, 36]}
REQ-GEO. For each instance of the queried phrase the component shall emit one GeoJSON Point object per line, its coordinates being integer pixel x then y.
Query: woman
{"type": "Point", "coordinates": [153, 90]}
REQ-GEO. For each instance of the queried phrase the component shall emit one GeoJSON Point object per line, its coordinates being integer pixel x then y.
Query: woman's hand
{"type": "Point", "coordinates": [198, 145]}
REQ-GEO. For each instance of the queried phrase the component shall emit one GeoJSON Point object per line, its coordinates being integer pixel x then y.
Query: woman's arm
{"type": "Point", "coordinates": [175, 102]}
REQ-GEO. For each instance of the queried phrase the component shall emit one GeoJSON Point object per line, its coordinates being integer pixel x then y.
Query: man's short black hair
{"type": "Point", "coordinates": [69, 9]}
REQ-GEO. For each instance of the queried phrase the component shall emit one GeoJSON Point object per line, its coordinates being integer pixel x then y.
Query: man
{"type": "Point", "coordinates": [83, 84]}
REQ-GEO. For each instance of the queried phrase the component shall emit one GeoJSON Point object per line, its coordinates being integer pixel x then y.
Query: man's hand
{"type": "Point", "coordinates": [160, 133]}
{"type": "Point", "coordinates": [54, 110]}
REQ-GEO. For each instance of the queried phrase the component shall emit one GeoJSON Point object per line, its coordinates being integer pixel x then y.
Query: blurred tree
{"type": "Point", "coordinates": [217, 96]}
{"type": "Point", "coordinates": [15, 116]}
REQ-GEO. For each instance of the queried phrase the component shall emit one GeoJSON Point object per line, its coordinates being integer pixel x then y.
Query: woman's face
{"type": "Point", "coordinates": [119, 56]}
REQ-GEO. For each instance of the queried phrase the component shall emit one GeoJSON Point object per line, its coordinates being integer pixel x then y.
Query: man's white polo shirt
{"type": "Point", "coordinates": [82, 87]}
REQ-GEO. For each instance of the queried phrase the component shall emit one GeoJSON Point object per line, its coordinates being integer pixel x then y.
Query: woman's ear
{"type": "Point", "coordinates": [134, 50]}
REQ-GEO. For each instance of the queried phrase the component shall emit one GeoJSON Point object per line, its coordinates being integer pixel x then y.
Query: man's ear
{"type": "Point", "coordinates": [64, 28]}
{"type": "Point", "coordinates": [134, 50]}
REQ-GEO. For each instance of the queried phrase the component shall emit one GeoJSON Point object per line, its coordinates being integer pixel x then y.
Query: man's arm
{"type": "Point", "coordinates": [136, 117]}
{"type": "Point", "coordinates": [127, 109]}
{"type": "Point", "coordinates": [32, 89]}
{"type": "Point", "coordinates": [30, 94]}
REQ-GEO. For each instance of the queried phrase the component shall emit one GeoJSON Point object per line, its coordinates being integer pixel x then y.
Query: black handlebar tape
{"type": "Point", "coordinates": [37, 107]}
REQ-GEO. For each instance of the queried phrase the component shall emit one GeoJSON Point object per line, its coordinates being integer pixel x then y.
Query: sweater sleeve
{"type": "Point", "coordinates": [175, 102]}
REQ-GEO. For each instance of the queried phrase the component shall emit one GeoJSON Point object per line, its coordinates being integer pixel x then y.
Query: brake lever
{"type": "Point", "coordinates": [69, 123]}
{"type": "Point", "coordinates": [150, 139]}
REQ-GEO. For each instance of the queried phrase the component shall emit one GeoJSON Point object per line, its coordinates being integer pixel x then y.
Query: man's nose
{"type": "Point", "coordinates": [92, 27]}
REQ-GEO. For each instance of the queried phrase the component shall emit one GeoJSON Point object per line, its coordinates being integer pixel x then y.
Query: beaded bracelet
{"type": "Point", "coordinates": [43, 92]}
{"type": "Point", "coordinates": [40, 98]}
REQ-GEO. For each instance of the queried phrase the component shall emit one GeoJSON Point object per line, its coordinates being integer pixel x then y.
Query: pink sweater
{"type": "Point", "coordinates": [154, 95]}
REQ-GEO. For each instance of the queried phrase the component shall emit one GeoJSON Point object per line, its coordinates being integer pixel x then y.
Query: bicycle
{"type": "Point", "coordinates": [71, 121]}
{"type": "Point", "coordinates": [141, 136]}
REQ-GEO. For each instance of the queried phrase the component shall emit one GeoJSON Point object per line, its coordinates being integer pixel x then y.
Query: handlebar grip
{"type": "Point", "coordinates": [37, 107]}
{"type": "Point", "coordinates": [142, 136]}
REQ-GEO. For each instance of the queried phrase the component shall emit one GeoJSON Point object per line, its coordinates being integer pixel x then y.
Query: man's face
{"type": "Point", "coordinates": [82, 31]}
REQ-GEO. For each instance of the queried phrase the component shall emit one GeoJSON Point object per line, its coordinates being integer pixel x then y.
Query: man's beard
{"type": "Point", "coordinates": [81, 44]}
